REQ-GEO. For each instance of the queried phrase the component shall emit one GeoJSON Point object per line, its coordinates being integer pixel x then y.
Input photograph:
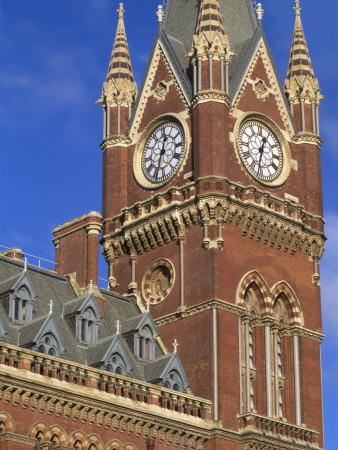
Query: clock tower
{"type": "Point", "coordinates": [212, 213]}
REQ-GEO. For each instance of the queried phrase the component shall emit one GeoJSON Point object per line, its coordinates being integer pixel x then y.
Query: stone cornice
{"type": "Point", "coordinates": [256, 213]}
{"type": "Point", "coordinates": [19, 439]}
{"type": "Point", "coordinates": [211, 95]}
{"type": "Point", "coordinates": [184, 312]}
{"type": "Point", "coordinates": [115, 141]}
{"type": "Point", "coordinates": [307, 138]}
{"type": "Point", "coordinates": [222, 305]}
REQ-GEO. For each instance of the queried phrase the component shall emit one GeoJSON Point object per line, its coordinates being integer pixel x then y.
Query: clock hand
{"type": "Point", "coordinates": [261, 151]}
{"type": "Point", "coordinates": [161, 156]}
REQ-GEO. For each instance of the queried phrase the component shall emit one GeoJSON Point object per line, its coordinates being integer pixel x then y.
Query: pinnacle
{"type": "Point", "coordinates": [120, 63]}
{"type": "Point", "coordinates": [300, 63]}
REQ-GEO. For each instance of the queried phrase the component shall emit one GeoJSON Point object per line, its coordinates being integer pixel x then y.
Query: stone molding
{"type": "Point", "coordinates": [14, 437]}
{"type": "Point", "coordinates": [115, 141]}
{"type": "Point", "coordinates": [255, 213]}
{"type": "Point", "coordinates": [211, 95]}
{"type": "Point", "coordinates": [222, 305]}
{"type": "Point", "coordinates": [262, 52]}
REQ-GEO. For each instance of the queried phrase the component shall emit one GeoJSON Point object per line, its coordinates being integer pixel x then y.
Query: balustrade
{"type": "Point", "coordinates": [100, 380]}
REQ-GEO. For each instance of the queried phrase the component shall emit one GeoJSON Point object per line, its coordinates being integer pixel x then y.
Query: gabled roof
{"type": "Point", "coordinates": [80, 304]}
{"type": "Point", "coordinates": [34, 331]}
{"type": "Point", "coordinates": [100, 352]}
{"type": "Point", "coordinates": [158, 369]}
{"type": "Point", "coordinates": [138, 322]}
{"type": "Point", "coordinates": [16, 281]}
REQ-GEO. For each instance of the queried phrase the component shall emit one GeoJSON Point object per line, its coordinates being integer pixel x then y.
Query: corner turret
{"type": "Point", "coordinates": [301, 86]}
{"type": "Point", "coordinates": [119, 90]}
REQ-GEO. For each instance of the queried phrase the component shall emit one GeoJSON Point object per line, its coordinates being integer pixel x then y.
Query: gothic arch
{"type": "Point", "coordinates": [41, 429]}
{"type": "Point", "coordinates": [77, 436]}
{"type": "Point", "coordinates": [256, 282]}
{"type": "Point", "coordinates": [7, 424]}
{"type": "Point", "coordinates": [117, 445]}
{"type": "Point", "coordinates": [282, 290]}
{"type": "Point", "coordinates": [95, 442]}
{"type": "Point", "coordinates": [55, 430]}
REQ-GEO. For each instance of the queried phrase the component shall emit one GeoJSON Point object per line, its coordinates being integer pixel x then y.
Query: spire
{"type": "Point", "coordinates": [301, 85]}
{"type": "Point", "coordinates": [300, 62]}
{"type": "Point", "coordinates": [210, 19]}
{"type": "Point", "coordinates": [120, 85]}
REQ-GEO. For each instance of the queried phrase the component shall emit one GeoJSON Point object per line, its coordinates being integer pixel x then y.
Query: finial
{"type": "Point", "coordinates": [118, 327]}
{"type": "Point", "coordinates": [51, 304]}
{"type": "Point", "coordinates": [91, 287]}
{"type": "Point", "coordinates": [25, 265]}
{"type": "Point", "coordinates": [160, 14]}
{"type": "Point", "coordinates": [297, 8]}
{"type": "Point", "coordinates": [175, 344]}
{"type": "Point", "coordinates": [120, 11]}
{"type": "Point", "coordinates": [259, 12]}
{"type": "Point", "coordinates": [148, 305]}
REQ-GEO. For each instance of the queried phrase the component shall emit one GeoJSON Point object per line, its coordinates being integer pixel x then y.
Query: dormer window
{"type": "Point", "coordinates": [145, 344]}
{"type": "Point", "coordinates": [173, 381]}
{"type": "Point", "coordinates": [88, 326]}
{"type": "Point", "coordinates": [83, 317]}
{"type": "Point", "coordinates": [22, 300]}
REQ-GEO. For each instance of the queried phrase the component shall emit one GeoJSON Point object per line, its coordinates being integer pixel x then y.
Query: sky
{"type": "Point", "coordinates": [54, 57]}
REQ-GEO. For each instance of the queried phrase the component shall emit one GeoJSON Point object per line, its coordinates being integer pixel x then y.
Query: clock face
{"type": "Point", "coordinates": [260, 151]}
{"type": "Point", "coordinates": [163, 152]}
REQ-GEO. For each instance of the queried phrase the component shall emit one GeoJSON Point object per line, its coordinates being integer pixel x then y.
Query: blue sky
{"type": "Point", "coordinates": [54, 56]}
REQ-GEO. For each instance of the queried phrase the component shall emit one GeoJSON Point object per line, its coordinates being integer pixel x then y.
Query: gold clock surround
{"type": "Point", "coordinates": [137, 160]}
{"type": "Point", "coordinates": [284, 147]}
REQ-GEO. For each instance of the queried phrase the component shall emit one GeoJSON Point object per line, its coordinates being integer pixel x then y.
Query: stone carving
{"type": "Point", "coordinates": [261, 90]}
{"type": "Point", "coordinates": [161, 91]}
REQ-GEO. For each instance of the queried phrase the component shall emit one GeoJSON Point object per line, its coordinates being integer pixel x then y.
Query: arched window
{"type": "Point", "coordinates": [22, 305]}
{"type": "Point", "coordinates": [48, 344]}
{"type": "Point", "coordinates": [88, 326]}
{"type": "Point", "coordinates": [116, 364]}
{"type": "Point", "coordinates": [173, 381]}
{"type": "Point", "coordinates": [145, 344]}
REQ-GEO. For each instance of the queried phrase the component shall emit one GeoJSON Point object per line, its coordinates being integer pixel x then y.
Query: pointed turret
{"type": "Point", "coordinates": [119, 90]}
{"type": "Point", "coordinates": [210, 43]}
{"type": "Point", "coordinates": [301, 85]}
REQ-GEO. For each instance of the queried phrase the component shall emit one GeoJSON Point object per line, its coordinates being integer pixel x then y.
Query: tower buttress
{"type": "Point", "coordinates": [301, 86]}
{"type": "Point", "coordinates": [210, 57]}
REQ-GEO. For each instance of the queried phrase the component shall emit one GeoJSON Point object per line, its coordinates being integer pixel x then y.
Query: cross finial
{"type": "Point", "coordinates": [118, 327]}
{"type": "Point", "coordinates": [51, 304]}
{"type": "Point", "coordinates": [297, 8]}
{"type": "Point", "coordinates": [91, 287]}
{"type": "Point", "coordinates": [120, 11]}
{"type": "Point", "coordinates": [160, 14]}
{"type": "Point", "coordinates": [175, 344]}
{"type": "Point", "coordinates": [25, 265]}
{"type": "Point", "coordinates": [259, 12]}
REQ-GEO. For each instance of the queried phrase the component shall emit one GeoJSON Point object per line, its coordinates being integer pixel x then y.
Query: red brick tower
{"type": "Point", "coordinates": [213, 214]}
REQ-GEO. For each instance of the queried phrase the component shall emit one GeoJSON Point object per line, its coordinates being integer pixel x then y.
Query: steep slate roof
{"type": "Point", "coordinates": [181, 21]}
{"type": "Point", "coordinates": [47, 286]}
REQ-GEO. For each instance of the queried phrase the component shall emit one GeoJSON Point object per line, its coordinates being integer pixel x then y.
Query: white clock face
{"type": "Point", "coordinates": [260, 151]}
{"type": "Point", "coordinates": [163, 152]}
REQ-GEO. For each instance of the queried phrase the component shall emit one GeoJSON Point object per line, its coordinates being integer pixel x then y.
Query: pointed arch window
{"type": "Point", "coordinates": [116, 364]}
{"type": "Point", "coordinates": [173, 381]}
{"type": "Point", "coordinates": [49, 345]}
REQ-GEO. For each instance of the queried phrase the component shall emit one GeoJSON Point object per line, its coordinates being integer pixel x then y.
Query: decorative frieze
{"type": "Point", "coordinates": [257, 214]}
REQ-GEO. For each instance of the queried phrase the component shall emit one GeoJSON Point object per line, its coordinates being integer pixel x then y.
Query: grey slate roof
{"type": "Point", "coordinates": [48, 285]}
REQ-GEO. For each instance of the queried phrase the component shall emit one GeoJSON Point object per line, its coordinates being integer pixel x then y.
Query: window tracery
{"type": "Point", "coordinates": [145, 344]}
{"type": "Point", "coordinates": [173, 381]}
{"type": "Point", "coordinates": [22, 305]}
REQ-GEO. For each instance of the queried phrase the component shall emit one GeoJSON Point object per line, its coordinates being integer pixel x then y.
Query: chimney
{"type": "Point", "coordinates": [77, 248]}
{"type": "Point", "coordinates": [13, 253]}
